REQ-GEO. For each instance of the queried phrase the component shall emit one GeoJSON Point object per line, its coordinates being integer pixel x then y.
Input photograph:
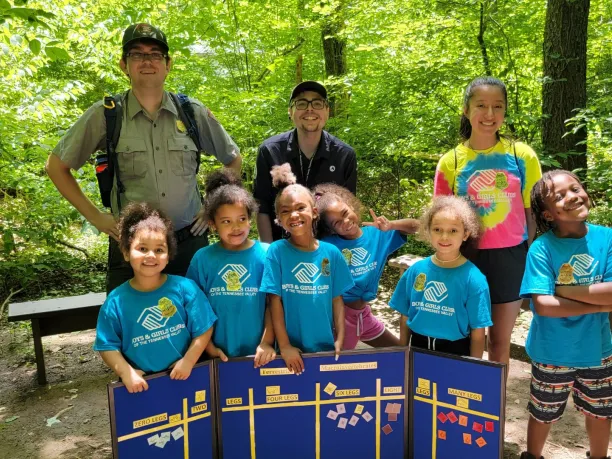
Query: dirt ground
{"type": "Point", "coordinates": [77, 391]}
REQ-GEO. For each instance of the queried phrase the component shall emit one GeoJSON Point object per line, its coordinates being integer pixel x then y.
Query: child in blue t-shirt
{"type": "Point", "coordinates": [365, 251]}
{"type": "Point", "coordinates": [444, 299]}
{"type": "Point", "coordinates": [153, 321]}
{"type": "Point", "coordinates": [569, 280]}
{"type": "Point", "coordinates": [230, 271]}
{"type": "Point", "coordinates": [304, 277]}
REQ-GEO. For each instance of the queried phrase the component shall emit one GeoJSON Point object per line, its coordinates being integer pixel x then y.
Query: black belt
{"type": "Point", "coordinates": [184, 233]}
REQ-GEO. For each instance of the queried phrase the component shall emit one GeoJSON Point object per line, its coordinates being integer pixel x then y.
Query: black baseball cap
{"type": "Point", "coordinates": [309, 86]}
{"type": "Point", "coordinates": [142, 31]}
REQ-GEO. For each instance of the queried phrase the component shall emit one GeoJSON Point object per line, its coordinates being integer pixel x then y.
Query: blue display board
{"type": "Point", "coordinates": [354, 407]}
{"type": "Point", "coordinates": [172, 419]}
{"type": "Point", "coordinates": [457, 407]}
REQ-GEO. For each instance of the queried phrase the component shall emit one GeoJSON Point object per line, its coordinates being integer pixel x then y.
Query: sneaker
{"type": "Point", "coordinates": [588, 454]}
{"type": "Point", "coordinates": [526, 455]}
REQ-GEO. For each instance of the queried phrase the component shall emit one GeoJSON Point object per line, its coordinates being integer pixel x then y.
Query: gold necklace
{"type": "Point", "coordinates": [449, 261]}
{"type": "Point", "coordinates": [486, 150]}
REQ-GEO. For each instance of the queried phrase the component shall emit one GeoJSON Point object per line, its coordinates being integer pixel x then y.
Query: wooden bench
{"type": "Point", "coordinates": [403, 262]}
{"type": "Point", "coordinates": [58, 315]}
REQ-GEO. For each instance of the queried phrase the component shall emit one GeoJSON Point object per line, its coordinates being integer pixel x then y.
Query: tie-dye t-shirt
{"type": "Point", "coordinates": [496, 183]}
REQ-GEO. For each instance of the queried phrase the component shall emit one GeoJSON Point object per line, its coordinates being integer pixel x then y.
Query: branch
{"type": "Point", "coordinates": [512, 65]}
{"type": "Point", "coordinates": [8, 298]}
{"type": "Point", "coordinates": [74, 247]}
{"type": "Point", "coordinates": [288, 51]}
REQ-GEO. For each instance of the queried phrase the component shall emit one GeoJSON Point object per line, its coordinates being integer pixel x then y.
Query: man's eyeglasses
{"type": "Point", "coordinates": [302, 104]}
{"type": "Point", "coordinates": [155, 57]}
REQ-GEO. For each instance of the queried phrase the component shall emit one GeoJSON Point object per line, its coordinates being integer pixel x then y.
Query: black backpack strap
{"type": "Point", "coordinates": [517, 164]}
{"type": "Point", "coordinates": [187, 116]}
{"type": "Point", "coordinates": [113, 114]}
{"type": "Point", "coordinates": [518, 168]}
{"type": "Point", "coordinates": [454, 172]}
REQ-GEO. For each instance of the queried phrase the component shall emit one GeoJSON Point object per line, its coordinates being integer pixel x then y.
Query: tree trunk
{"type": "Point", "coordinates": [481, 40]}
{"type": "Point", "coordinates": [335, 60]}
{"type": "Point", "coordinates": [299, 62]}
{"type": "Point", "coordinates": [564, 85]}
{"type": "Point", "coordinates": [299, 65]}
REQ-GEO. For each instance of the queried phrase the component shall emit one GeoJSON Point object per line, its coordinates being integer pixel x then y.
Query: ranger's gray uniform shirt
{"type": "Point", "coordinates": [157, 159]}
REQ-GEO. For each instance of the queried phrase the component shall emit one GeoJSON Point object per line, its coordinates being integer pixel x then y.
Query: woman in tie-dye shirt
{"type": "Point", "coordinates": [496, 175]}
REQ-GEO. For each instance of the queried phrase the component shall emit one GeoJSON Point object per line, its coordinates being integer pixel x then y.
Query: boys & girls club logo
{"type": "Point", "coordinates": [487, 181]}
{"type": "Point", "coordinates": [435, 291]}
{"type": "Point", "coordinates": [307, 273]}
{"type": "Point", "coordinates": [358, 257]}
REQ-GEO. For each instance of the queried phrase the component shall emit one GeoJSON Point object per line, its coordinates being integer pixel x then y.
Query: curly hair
{"type": "Point", "coordinates": [325, 195]}
{"type": "Point", "coordinates": [543, 188]}
{"type": "Point", "coordinates": [224, 187]}
{"type": "Point", "coordinates": [462, 209]}
{"type": "Point", "coordinates": [137, 216]}
{"type": "Point", "coordinates": [286, 182]}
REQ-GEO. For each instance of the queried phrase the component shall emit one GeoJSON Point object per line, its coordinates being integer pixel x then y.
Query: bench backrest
{"type": "Point", "coordinates": [34, 309]}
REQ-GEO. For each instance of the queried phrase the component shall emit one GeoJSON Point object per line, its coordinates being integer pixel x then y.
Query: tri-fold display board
{"type": "Point", "coordinates": [356, 407]}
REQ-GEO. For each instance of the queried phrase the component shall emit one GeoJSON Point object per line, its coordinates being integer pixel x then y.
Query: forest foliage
{"type": "Point", "coordinates": [397, 96]}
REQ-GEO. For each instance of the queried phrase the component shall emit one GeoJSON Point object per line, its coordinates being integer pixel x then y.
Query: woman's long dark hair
{"type": "Point", "coordinates": [465, 127]}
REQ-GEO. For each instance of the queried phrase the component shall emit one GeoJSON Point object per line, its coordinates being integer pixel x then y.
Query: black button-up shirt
{"type": "Point", "coordinates": [333, 162]}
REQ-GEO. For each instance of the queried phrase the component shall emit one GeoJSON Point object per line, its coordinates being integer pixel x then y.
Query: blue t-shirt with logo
{"type": "Point", "coordinates": [307, 282]}
{"type": "Point", "coordinates": [579, 341]}
{"type": "Point", "coordinates": [366, 258]}
{"type": "Point", "coordinates": [443, 303]}
{"type": "Point", "coordinates": [231, 279]}
{"type": "Point", "coordinates": [153, 329]}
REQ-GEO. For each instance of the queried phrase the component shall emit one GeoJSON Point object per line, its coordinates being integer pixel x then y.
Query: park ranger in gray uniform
{"type": "Point", "coordinates": [157, 159]}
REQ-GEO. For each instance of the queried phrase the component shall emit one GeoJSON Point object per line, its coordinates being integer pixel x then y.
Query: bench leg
{"type": "Point", "coordinates": [38, 351]}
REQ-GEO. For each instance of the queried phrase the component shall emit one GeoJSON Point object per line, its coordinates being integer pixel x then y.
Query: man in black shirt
{"type": "Point", "coordinates": [315, 155]}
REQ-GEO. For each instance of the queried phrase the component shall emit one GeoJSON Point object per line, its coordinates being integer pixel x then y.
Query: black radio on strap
{"type": "Point", "coordinates": [113, 114]}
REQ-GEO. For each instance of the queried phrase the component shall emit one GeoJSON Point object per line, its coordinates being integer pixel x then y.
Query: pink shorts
{"type": "Point", "coordinates": [360, 324]}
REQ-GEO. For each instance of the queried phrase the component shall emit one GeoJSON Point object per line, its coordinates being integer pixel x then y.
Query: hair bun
{"type": "Point", "coordinates": [282, 176]}
{"type": "Point", "coordinates": [220, 178]}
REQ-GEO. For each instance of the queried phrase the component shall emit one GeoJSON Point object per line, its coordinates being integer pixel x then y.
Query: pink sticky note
{"type": "Point", "coordinates": [477, 427]}
{"type": "Point", "coordinates": [387, 429]}
{"type": "Point", "coordinates": [451, 417]}
{"type": "Point", "coordinates": [342, 423]}
{"type": "Point", "coordinates": [442, 417]}
{"type": "Point", "coordinates": [332, 415]}
{"type": "Point", "coordinates": [489, 426]}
